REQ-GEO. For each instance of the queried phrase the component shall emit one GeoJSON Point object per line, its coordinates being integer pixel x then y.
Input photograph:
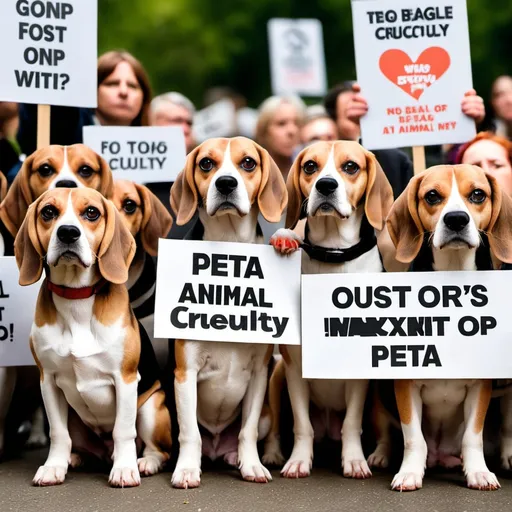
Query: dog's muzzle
{"type": "Point", "coordinates": [226, 184]}
{"type": "Point", "coordinates": [456, 221]}
{"type": "Point", "coordinates": [68, 234]}
{"type": "Point", "coordinates": [326, 186]}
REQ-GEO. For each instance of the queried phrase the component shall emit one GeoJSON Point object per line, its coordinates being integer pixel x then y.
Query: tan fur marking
{"type": "Point", "coordinates": [404, 400]}
{"type": "Point", "coordinates": [180, 373]}
{"type": "Point", "coordinates": [131, 349]}
{"type": "Point", "coordinates": [268, 354]}
{"type": "Point", "coordinates": [109, 306]}
{"type": "Point", "coordinates": [162, 433]}
{"type": "Point", "coordinates": [284, 352]}
{"type": "Point", "coordinates": [45, 309]}
{"type": "Point", "coordinates": [142, 399]}
{"type": "Point", "coordinates": [483, 404]}
{"type": "Point", "coordinates": [38, 363]}
{"type": "Point", "coordinates": [275, 387]}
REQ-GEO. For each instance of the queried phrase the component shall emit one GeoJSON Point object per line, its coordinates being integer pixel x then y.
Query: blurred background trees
{"type": "Point", "coordinates": [192, 45]}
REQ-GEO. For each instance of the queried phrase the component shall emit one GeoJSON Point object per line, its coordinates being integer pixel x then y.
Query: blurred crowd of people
{"type": "Point", "coordinates": [282, 124]}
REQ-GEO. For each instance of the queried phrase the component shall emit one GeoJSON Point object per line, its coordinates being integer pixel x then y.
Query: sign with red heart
{"type": "Point", "coordinates": [414, 77]}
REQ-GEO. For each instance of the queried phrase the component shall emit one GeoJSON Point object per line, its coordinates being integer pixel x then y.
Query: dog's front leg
{"type": "Point", "coordinates": [125, 472]}
{"type": "Point", "coordinates": [56, 466]}
{"type": "Point", "coordinates": [352, 457]}
{"type": "Point", "coordinates": [249, 462]}
{"type": "Point", "coordinates": [188, 468]}
{"type": "Point", "coordinates": [408, 399]}
{"type": "Point", "coordinates": [300, 461]}
{"type": "Point", "coordinates": [506, 430]}
{"type": "Point", "coordinates": [473, 462]}
{"type": "Point", "coordinates": [7, 384]}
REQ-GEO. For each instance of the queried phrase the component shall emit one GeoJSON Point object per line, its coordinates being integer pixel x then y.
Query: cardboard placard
{"type": "Point", "coordinates": [297, 61]}
{"type": "Point", "coordinates": [144, 154]}
{"type": "Point", "coordinates": [222, 291]}
{"type": "Point", "coordinates": [414, 65]}
{"type": "Point", "coordinates": [49, 52]}
{"type": "Point", "coordinates": [422, 325]}
{"type": "Point", "coordinates": [17, 308]}
{"type": "Point", "coordinates": [216, 120]}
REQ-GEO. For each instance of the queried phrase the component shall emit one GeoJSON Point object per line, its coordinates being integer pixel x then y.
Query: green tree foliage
{"type": "Point", "coordinates": [191, 45]}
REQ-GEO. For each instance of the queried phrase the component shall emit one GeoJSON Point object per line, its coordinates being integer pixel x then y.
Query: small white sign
{"type": "Point", "coordinates": [414, 65]}
{"type": "Point", "coordinates": [297, 61]}
{"type": "Point", "coordinates": [144, 154]}
{"type": "Point", "coordinates": [216, 120]}
{"type": "Point", "coordinates": [424, 325]}
{"type": "Point", "coordinates": [222, 291]}
{"type": "Point", "coordinates": [49, 52]}
{"type": "Point", "coordinates": [17, 308]}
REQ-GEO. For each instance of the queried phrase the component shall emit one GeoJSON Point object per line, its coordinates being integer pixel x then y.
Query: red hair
{"type": "Point", "coordinates": [502, 141]}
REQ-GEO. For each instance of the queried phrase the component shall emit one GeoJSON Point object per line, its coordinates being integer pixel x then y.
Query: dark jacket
{"type": "Point", "coordinates": [397, 167]}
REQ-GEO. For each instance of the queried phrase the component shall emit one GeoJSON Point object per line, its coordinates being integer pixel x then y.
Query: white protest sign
{"type": "Point", "coordinates": [222, 291]}
{"type": "Point", "coordinates": [422, 325]}
{"type": "Point", "coordinates": [216, 120]}
{"type": "Point", "coordinates": [297, 61]}
{"type": "Point", "coordinates": [144, 154]}
{"type": "Point", "coordinates": [17, 308]}
{"type": "Point", "coordinates": [414, 66]}
{"type": "Point", "coordinates": [49, 52]}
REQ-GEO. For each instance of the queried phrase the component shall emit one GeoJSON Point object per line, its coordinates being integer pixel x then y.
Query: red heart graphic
{"type": "Point", "coordinates": [414, 77]}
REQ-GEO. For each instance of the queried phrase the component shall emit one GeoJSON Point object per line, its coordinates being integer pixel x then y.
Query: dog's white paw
{"type": "Point", "coordinates": [356, 469]}
{"type": "Point", "coordinates": [285, 241]}
{"type": "Point", "coordinates": [124, 477]}
{"type": "Point", "coordinates": [149, 465]}
{"type": "Point", "coordinates": [50, 475]}
{"type": "Point", "coordinates": [186, 478]}
{"type": "Point", "coordinates": [256, 472]}
{"type": "Point", "coordinates": [407, 481]}
{"type": "Point", "coordinates": [378, 459]}
{"type": "Point", "coordinates": [296, 469]}
{"type": "Point", "coordinates": [482, 480]}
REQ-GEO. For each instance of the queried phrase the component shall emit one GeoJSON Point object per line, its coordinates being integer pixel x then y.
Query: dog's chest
{"type": "Point", "coordinates": [444, 393]}
{"type": "Point", "coordinates": [367, 262]}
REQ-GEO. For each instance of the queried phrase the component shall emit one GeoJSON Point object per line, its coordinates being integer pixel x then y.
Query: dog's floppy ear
{"type": "Point", "coordinates": [107, 181]}
{"type": "Point", "coordinates": [295, 195]}
{"type": "Point", "coordinates": [117, 247]}
{"type": "Point", "coordinates": [404, 224]}
{"type": "Point", "coordinates": [184, 197]}
{"type": "Point", "coordinates": [19, 197]}
{"type": "Point", "coordinates": [379, 194]}
{"type": "Point", "coordinates": [499, 231]}
{"type": "Point", "coordinates": [272, 195]}
{"type": "Point", "coordinates": [156, 220]}
{"type": "Point", "coordinates": [28, 250]}
{"type": "Point", "coordinates": [3, 186]}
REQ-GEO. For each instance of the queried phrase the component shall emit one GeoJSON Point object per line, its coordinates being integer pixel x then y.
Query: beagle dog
{"type": "Point", "coordinates": [442, 221]}
{"type": "Point", "coordinates": [85, 338]}
{"type": "Point", "coordinates": [345, 195]}
{"type": "Point", "coordinates": [148, 220]}
{"type": "Point", "coordinates": [220, 387]}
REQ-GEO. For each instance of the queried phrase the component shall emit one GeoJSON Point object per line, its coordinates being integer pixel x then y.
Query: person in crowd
{"type": "Point", "coordinates": [317, 126]}
{"type": "Point", "coordinates": [491, 152]}
{"type": "Point", "coordinates": [9, 147]}
{"type": "Point", "coordinates": [501, 101]}
{"type": "Point", "coordinates": [278, 128]}
{"type": "Point", "coordinates": [174, 109]}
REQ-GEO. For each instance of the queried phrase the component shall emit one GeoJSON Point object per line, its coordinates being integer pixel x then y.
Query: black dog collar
{"type": "Point", "coordinates": [368, 241]}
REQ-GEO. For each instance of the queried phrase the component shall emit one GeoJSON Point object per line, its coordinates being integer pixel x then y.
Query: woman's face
{"type": "Point", "coordinates": [120, 97]}
{"type": "Point", "coordinates": [492, 158]}
{"type": "Point", "coordinates": [502, 98]}
{"type": "Point", "coordinates": [283, 131]}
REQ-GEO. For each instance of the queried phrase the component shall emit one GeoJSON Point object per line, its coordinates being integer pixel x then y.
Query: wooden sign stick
{"type": "Point", "coordinates": [418, 159]}
{"type": "Point", "coordinates": [43, 126]}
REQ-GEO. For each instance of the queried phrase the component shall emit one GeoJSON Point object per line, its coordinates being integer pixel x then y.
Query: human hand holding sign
{"type": "Point", "coordinates": [472, 105]}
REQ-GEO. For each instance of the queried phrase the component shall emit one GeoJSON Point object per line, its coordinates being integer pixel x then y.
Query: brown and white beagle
{"type": "Point", "coordinates": [440, 222]}
{"type": "Point", "coordinates": [148, 220]}
{"type": "Point", "coordinates": [229, 181]}
{"type": "Point", "coordinates": [343, 192]}
{"type": "Point", "coordinates": [85, 338]}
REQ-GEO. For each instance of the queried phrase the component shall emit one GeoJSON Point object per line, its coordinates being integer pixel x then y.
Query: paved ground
{"type": "Point", "coordinates": [223, 491]}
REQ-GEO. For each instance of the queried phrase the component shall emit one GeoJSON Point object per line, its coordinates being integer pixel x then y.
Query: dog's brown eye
{"type": "Point", "coordinates": [248, 164]}
{"type": "Point", "coordinates": [432, 197]}
{"type": "Point", "coordinates": [206, 164]}
{"type": "Point", "coordinates": [92, 213]}
{"type": "Point", "coordinates": [129, 206]}
{"type": "Point", "coordinates": [85, 171]}
{"type": "Point", "coordinates": [350, 167]}
{"type": "Point", "coordinates": [310, 167]}
{"type": "Point", "coordinates": [46, 170]}
{"type": "Point", "coordinates": [49, 213]}
{"type": "Point", "coordinates": [477, 196]}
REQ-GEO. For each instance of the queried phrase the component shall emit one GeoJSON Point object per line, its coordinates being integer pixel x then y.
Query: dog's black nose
{"type": "Point", "coordinates": [456, 221]}
{"type": "Point", "coordinates": [326, 186]}
{"type": "Point", "coordinates": [226, 184]}
{"type": "Point", "coordinates": [66, 184]}
{"type": "Point", "coordinates": [68, 234]}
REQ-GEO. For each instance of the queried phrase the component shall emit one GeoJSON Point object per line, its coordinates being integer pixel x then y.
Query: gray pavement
{"type": "Point", "coordinates": [223, 491]}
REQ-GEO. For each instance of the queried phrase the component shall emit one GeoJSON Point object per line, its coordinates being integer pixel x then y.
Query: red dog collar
{"type": "Point", "coordinates": [76, 293]}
